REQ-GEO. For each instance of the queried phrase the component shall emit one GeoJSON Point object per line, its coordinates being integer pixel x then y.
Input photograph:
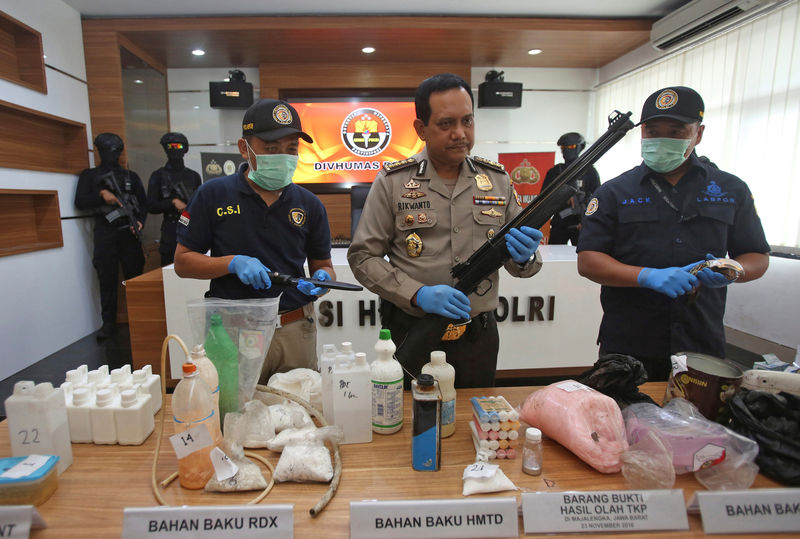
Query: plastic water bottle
{"type": "Point", "coordinates": [352, 398]}
{"type": "Point", "coordinates": [192, 405]}
{"type": "Point", "coordinates": [208, 372]}
{"type": "Point", "coordinates": [445, 374]}
{"type": "Point", "coordinates": [225, 357]}
{"type": "Point", "coordinates": [386, 375]}
{"type": "Point", "coordinates": [326, 362]}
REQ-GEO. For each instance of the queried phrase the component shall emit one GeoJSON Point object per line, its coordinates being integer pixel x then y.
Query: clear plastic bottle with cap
{"type": "Point", "coordinates": [133, 419]}
{"type": "Point", "coordinates": [445, 374]}
{"type": "Point", "coordinates": [352, 398]}
{"type": "Point", "coordinates": [208, 372]}
{"type": "Point", "coordinates": [192, 405]}
{"type": "Point", "coordinates": [223, 353]}
{"type": "Point", "coordinates": [532, 452]}
{"type": "Point", "coordinates": [386, 375]}
{"type": "Point", "coordinates": [326, 362]}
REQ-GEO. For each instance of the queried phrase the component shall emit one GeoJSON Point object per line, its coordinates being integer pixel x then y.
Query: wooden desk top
{"type": "Point", "coordinates": [103, 480]}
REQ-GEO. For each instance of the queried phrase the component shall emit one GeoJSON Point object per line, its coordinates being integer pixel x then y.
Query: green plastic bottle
{"type": "Point", "coordinates": [225, 357]}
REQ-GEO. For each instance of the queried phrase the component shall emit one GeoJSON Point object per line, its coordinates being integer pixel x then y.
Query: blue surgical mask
{"type": "Point", "coordinates": [272, 171]}
{"type": "Point", "coordinates": [664, 154]}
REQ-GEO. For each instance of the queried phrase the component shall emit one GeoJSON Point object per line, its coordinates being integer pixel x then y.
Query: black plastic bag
{"type": "Point", "coordinates": [774, 422]}
{"type": "Point", "coordinates": [618, 376]}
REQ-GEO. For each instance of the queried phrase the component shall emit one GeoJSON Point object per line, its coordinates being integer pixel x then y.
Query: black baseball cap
{"type": "Point", "coordinates": [677, 102]}
{"type": "Point", "coordinates": [271, 119]}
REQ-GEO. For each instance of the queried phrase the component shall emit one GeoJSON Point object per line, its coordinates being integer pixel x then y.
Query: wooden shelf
{"type": "Point", "coordinates": [29, 221]}
{"type": "Point", "coordinates": [21, 56]}
{"type": "Point", "coordinates": [33, 140]}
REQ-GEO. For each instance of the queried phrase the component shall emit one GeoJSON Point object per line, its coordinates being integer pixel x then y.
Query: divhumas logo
{"type": "Point", "coordinates": [366, 132]}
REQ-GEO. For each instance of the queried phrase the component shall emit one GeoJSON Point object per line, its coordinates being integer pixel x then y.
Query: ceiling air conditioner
{"type": "Point", "coordinates": [700, 18]}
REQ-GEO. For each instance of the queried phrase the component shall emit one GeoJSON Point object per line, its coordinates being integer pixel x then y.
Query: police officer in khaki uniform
{"type": "Point", "coordinates": [430, 212]}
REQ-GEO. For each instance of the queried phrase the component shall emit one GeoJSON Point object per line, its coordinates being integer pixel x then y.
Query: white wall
{"type": "Point", "coordinates": [50, 297]}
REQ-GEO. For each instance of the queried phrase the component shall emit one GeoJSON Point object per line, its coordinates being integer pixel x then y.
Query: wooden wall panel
{"type": "Point", "coordinates": [338, 208]}
{"type": "Point", "coordinates": [21, 60]}
{"type": "Point", "coordinates": [104, 80]}
{"type": "Point", "coordinates": [294, 76]}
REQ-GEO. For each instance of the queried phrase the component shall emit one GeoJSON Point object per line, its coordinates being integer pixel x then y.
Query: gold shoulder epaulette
{"type": "Point", "coordinates": [398, 165]}
{"type": "Point", "coordinates": [489, 164]}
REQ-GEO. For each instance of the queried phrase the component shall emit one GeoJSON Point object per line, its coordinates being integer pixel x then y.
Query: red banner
{"type": "Point", "coordinates": [527, 171]}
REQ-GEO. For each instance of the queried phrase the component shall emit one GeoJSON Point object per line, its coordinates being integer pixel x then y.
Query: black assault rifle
{"type": "Point", "coordinates": [426, 332]}
{"type": "Point", "coordinates": [123, 216]}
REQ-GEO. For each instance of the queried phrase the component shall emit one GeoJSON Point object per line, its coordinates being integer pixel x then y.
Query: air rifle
{"type": "Point", "coordinates": [426, 332]}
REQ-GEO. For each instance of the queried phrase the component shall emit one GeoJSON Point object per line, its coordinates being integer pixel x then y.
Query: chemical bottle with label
{"type": "Point", "coordinates": [326, 362]}
{"type": "Point", "coordinates": [37, 422]}
{"type": "Point", "coordinates": [426, 435]}
{"type": "Point", "coordinates": [387, 387]}
{"type": "Point", "coordinates": [208, 372]}
{"type": "Point", "coordinates": [225, 357]}
{"type": "Point", "coordinates": [352, 398]}
{"type": "Point", "coordinates": [445, 374]}
{"type": "Point", "coordinates": [193, 405]}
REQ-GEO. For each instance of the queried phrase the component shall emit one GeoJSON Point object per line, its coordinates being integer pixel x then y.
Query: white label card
{"type": "Point", "coordinates": [224, 468]}
{"type": "Point", "coordinates": [750, 511]}
{"type": "Point", "coordinates": [229, 521]}
{"type": "Point", "coordinates": [422, 519]}
{"type": "Point", "coordinates": [480, 470]}
{"type": "Point", "coordinates": [187, 442]}
{"type": "Point", "coordinates": [25, 467]}
{"type": "Point", "coordinates": [572, 385]}
{"type": "Point", "coordinates": [17, 520]}
{"type": "Point", "coordinates": [604, 511]}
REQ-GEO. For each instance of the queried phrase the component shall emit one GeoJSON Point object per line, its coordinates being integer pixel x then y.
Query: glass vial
{"type": "Point", "coordinates": [532, 452]}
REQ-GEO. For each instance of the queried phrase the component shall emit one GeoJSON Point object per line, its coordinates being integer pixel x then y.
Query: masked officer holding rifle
{"type": "Point", "coordinates": [169, 190]}
{"type": "Point", "coordinates": [430, 212]}
{"type": "Point", "coordinates": [117, 197]}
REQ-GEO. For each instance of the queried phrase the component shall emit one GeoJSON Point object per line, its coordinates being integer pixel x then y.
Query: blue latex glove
{"type": "Point", "coordinates": [443, 300]}
{"type": "Point", "coordinates": [522, 243]}
{"type": "Point", "coordinates": [250, 271]}
{"type": "Point", "coordinates": [711, 278]}
{"type": "Point", "coordinates": [310, 289]}
{"type": "Point", "coordinates": [672, 282]}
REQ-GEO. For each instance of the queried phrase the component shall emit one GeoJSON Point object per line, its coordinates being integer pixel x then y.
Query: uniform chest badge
{"type": "Point", "coordinates": [413, 194]}
{"type": "Point", "coordinates": [409, 219]}
{"type": "Point", "coordinates": [422, 217]}
{"type": "Point", "coordinates": [491, 212]}
{"type": "Point", "coordinates": [592, 206]}
{"type": "Point", "coordinates": [483, 182]}
{"type": "Point", "coordinates": [490, 233]}
{"type": "Point", "coordinates": [411, 184]}
{"type": "Point", "coordinates": [297, 216]}
{"type": "Point", "coordinates": [413, 245]}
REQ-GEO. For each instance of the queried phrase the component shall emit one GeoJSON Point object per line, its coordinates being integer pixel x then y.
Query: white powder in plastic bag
{"type": "Point", "coordinates": [482, 478]}
{"type": "Point", "coordinates": [302, 435]}
{"type": "Point", "coordinates": [248, 477]}
{"type": "Point", "coordinates": [284, 416]}
{"type": "Point", "coordinates": [304, 462]}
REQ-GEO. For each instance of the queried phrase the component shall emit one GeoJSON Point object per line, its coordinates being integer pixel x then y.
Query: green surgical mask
{"type": "Point", "coordinates": [272, 171]}
{"type": "Point", "coordinates": [664, 154]}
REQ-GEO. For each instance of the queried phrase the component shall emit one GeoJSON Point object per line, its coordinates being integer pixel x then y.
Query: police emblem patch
{"type": "Point", "coordinates": [297, 216]}
{"type": "Point", "coordinates": [184, 219]}
{"type": "Point", "coordinates": [413, 245]}
{"type": "Point", "coordinates": [366, 132]}
{"type": "Point", "coordinates": [282, 115]}
{"type": "Point", "coordinates": [591, 207]}
{"type": "Point", "coordinates": [666, 99]}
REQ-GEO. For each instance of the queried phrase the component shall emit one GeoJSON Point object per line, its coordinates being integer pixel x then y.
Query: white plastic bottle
{"type": "Point", "coordinates": [352, 398]}
{"type": "Point", "coordinates": [104, 429]}
{"type": "Point", "coordinates": [326, 362]}
{"type": "Point", "coordinates": [37, 422]}
{"type": "Point", "coordinates": [151, 383]}
{"type": "Point", "coordinates": [386, 377]}
{"type": "Point", "coordinates": [133, 419]}
{"type": "Point", "coordinates": [79, 412]}
{"type": "Point", "coordinates": [208, 372]}
{"type": "Point", "coordinates": [445, 374]}
{"type": "Point", "coordinates": [193, 405]}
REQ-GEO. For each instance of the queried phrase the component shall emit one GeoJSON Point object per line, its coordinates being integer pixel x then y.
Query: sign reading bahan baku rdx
{"type": "Point", "coordinates": [353, 139]}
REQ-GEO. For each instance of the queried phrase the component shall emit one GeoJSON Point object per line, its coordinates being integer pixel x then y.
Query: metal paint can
{"type": "Point", "coordinates": [705, 381]}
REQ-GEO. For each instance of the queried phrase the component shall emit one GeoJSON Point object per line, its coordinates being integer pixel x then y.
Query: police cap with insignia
{"type": "Point", "coordinates": [272, 119]}
{"type": "Point", "coordinates": [677, 102]}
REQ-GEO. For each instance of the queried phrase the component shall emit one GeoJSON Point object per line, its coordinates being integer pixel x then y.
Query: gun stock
{"type": "Point", "coordinates": [426, 333]}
